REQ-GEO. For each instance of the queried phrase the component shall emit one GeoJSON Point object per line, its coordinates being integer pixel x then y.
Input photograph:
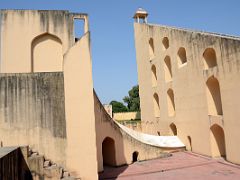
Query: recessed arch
{"type": "Point", "coordinates": [46, 53]}
{"type": "Point", "coordinates": [171, 102]}
{"type": "Point", "coordinates": [156, 105]}
{"type": "Point", "coordinates": [217, 141]}
{"type": "Point", "coordinates": [189, 142]}
{"type": "Point", "coordinates": [167, 68]}
{"type": "Point", "coordinates": [154, 75]}
{"type": "Point", "coordinates": [165, 42]}
{"type": "Point", "coordinates": [214, 96]}
{"type": "Point", "coordinates": [151, 48]}
{"type": "Point", "coordinates": [135, 156]}
{"type": "Point", "coordinates": [210, 59]}
{"type": "Point", "coordinates": [182, 56]}
{"type": "Point", "coordinates": [173, 128]}
{"type": "Point", "coordinates": [109, 152]}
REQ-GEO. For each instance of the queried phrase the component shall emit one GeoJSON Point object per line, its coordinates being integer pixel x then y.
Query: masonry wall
{"type": "Point", "coordinates": [191, 113]}
{"type": "Point", "coordinates": [21, 31]}
{"type": "Point", "coordinates": [32, 113]}
{"type": "Point", "coordinates": [126, 116]}
{"type": "Point", "coordinates": [123, 146]}
{"type": "Point", "coordinates": [79, 106]}
{"type": "Point", "coordinates": [44, 41]}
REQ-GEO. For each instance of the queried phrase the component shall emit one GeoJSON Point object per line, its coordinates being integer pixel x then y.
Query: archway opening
{"type": "Point", "coordinates": [156, 105]}
{"type": "Point", "coordinates": [165, 43]}
{"type": "Point", "coordinates": [158, 132]}
{"type": "Point", "coordinates": [135, 156]}
{"type": "Point", "coordinates": [108, 152]}
{"type": "Point", "coordinates": [47, 54]}
{"type": "Point", "coordinates": [182, 56]}
{"type": "Point", "coordinates": [173, 129]}
{"type": "Point", "coordinates": [190, 142]}
{"type": "Point", "coordinates": [171, 103]}
{"type": "Point", "coordinates": [214, 97]}
{"type": "Point", "coordinates": [167, 68]}
{"type": "Point", "coordinates": [217, 141]}
{"type": "Point", "coordinates": [210, 59]}
{"type": "Point", "coordinates": [151, 48]}
{"type": "Point", "coordinates": [154, 76]}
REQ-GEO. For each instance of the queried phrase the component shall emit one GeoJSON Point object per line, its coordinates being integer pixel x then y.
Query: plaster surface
{"type": "Point", "coordinates": [189, 83]}
{"type": "Point", "coordinates": [180, 166]}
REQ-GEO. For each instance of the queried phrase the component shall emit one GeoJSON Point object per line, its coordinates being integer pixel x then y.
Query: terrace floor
{"type": "Point", "coordinates": [180, 166]}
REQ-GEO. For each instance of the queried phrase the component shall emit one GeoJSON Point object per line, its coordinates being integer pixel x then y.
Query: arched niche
{"type": "Point", "coordinates": [214, 97]}
{"type": "Point", "coordinates": [156, 105]}
{"type": "Point", "coordinates": [135, 156]}
{"type": "Point", "coordinates": [171, 102]}
{"type": "Point", "coordinates": [210, 59]}
{"type": "Point", "coordinates": [189, 142]}
{"type": "Point", "coordinates": [151, 48]}
{"type": "Point", "coordinates": [173, 128]}
{"type": "Point", "coordinates": [154, 76]}
{"type": "Point", "coordinates": [182, 56]}
{"type": "Point", "coordinates": [165, 42]}
{"type": "Point", "coordinates": [47, 53]}
{"type": "Point", "coordinates": [217, 141]}
{"type": "Point", "coordinates": [109, 152]}
{"type": "Point", "coordinates": [168, 69]}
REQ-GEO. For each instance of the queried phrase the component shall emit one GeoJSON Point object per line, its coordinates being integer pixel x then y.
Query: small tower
{"type": "Point", "coordinates": [140, 14]}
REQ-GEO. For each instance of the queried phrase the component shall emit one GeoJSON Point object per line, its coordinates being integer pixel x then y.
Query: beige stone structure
{"type": "Point", "coordinates": [126, 116]}
{"type": "Point", "coordinates": [47, 97]}
{"type": "Point", "coordinates": [108, 108]}
{"type": "Point", "coordinates": [43, 41]}
{"type": "Point", "coordinates": [189, 86]}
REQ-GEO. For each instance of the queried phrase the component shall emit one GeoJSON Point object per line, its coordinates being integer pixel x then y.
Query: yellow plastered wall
{"type": "Point", "coordinates": [126, 116]}
{"type": "Point", "coordinates": [79, 106]}
{"type": "Point", "coordinates": [185, 60]}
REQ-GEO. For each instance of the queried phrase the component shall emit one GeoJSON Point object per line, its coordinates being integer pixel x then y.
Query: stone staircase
{"type": "Point", "coordinates": [45, 169]}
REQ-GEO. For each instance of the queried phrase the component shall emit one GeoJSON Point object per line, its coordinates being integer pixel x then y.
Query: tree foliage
{"type": "Point", "coordinates": [118, 107]}
{"type": "Point", "coordinates": [133, 100]}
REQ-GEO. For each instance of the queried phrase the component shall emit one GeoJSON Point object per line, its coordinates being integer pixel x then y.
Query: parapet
{"type": "Point", "coordinates": [21, 29]}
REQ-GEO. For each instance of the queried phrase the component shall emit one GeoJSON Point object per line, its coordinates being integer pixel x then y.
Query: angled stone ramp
{"type": "Point", "coordinates": [120, 144]}
{"type": "Point", "coordinates": [158, 141]}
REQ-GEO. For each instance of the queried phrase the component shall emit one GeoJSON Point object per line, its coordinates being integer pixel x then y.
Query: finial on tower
{"type": "Point", "coordinates": [140, 14]}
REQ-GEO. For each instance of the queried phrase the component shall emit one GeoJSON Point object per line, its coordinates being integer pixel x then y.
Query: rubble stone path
{"type": "Point", "coordinates": [180, 166]}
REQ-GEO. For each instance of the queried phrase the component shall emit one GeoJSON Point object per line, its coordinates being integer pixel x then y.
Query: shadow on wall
{"type": "Point", "coordinates": [173, 128]}
{"type": "Point", "coordinates": [14, 166]}
{"type": "Point", "coordinates": [217, 141]}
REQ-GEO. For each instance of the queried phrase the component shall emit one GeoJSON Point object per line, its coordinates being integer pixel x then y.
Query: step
{"type": "Point", "coordinates": [35, 164]}
{"type": "Point", "coordinates": [53, 172]}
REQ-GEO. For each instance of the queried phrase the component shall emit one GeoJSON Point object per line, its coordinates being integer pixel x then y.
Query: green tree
{"type": "Point", "coordinates": [118, 107]}
{"type": "Point", "coordinates": [133, 100]}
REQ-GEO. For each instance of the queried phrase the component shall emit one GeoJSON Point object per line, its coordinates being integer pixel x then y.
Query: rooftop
{"type": "Point", "coordinates": [181, 165]}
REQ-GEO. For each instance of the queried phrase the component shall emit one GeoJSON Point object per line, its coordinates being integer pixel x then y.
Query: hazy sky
{"type": "Point", "coordinates": [112, 38]}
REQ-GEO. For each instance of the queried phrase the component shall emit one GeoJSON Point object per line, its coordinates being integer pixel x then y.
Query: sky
{"type": "Point", "coordinates": [112, 34]}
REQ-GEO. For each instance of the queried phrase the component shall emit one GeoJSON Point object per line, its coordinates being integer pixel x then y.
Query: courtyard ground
{"type": "Point", "coordinates": [180, 166]}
